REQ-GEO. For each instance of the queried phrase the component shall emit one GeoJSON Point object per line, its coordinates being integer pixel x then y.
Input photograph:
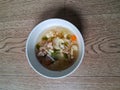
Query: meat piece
{"type": "Point", "coordinates": [49, 45]}
{"type": "Point", "coordinates": [42, 51]}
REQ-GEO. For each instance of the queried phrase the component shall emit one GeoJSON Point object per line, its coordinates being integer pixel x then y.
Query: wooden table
{"type": "Point", "coordinates": [99, 23]}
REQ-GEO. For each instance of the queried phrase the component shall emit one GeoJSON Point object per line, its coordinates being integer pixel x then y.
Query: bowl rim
{"type": "Point", "coordinates": [72, 71]}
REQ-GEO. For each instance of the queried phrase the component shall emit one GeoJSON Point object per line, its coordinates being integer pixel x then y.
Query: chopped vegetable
{"type": "Point", "coordinates": [68, 36]}
{"type": "Point", "coordinates": [56, 50]}
{"type": "Point", "coordinates": [65, 43]}
{"type": "Point", "coordinates": [73, 38]}
{"type": "Point", "coordinates": [44, 38]}
{"type": "Point", "coordinates": [57, 55]}
{"type": "Point", "coordinates": [65, 56]}
{"type": "Point", "coordinates": [37, 46]}
{"type": "Point", "coordinates": [57, 43]}
{"type": "Point", "coordinates": [51, 58]}
{"type": "Point", "coordinates": [54, 55]}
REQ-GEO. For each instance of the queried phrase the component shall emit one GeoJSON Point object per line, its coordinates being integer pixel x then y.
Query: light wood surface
{"type": "Point", "coordinates": [99, 23]}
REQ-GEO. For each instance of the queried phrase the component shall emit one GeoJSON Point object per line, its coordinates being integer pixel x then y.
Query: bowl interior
{"type": "Point", "coordinates": [32, 40]}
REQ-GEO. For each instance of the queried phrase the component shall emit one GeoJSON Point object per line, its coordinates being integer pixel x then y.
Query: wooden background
{"type": "Point", "coordinates": [99, 23]}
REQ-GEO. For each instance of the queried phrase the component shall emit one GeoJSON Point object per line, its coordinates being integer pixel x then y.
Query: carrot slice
{"type": "Point", "coordinates": [73, 38]}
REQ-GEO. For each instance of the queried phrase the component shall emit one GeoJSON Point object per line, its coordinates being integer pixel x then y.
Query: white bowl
{"type": "Point", "coordinates": [32, 40]}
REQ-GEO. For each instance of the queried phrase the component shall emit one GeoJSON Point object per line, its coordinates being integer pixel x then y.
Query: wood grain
{"type": "Point", "coordinates": [99, 23]}
{"type": "Point", "coordinates": [71, 83]}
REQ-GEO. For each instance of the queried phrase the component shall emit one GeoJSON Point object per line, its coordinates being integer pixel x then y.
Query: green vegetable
{"type": "Point", "coordinates": [54, 55]}
{"type": "Point", "coordinates": [37, 46]}
{"type": "Point", "coordinates": [65, 56]}
{"type": "Point", "coordinates": [44, 38]}
{"type": "Point", "coordinates": [56, 50]}
{"type": "Point", "coordinates": [66, 43]}
{"type": "Point", "coordinates": [68, 36]}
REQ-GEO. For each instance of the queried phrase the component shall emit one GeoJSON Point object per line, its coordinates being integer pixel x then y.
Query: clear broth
{"type": "Point", "coordinates": [62, 40]}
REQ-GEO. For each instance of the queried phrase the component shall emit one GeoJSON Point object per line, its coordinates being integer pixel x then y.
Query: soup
{"type": "Point", "coordinates": [57, 48]}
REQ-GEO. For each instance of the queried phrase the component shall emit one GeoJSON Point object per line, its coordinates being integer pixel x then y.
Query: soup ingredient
{"type": "Point", "coordinates": [73, 38]}
{"type": "Point", "coordinates": [37, 46]}
{"type": "Point", "coordinates": [74, 49]}
{"type": "Point", "coordinates": [58, 43]}
{"type": "Point", "coordinates": [57, 48]}
{"type": "Point", "coordinates": [44, 38]}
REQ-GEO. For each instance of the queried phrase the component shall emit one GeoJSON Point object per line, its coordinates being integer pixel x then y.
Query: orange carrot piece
{"type": "Point", "coordinates": [73, 38]}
